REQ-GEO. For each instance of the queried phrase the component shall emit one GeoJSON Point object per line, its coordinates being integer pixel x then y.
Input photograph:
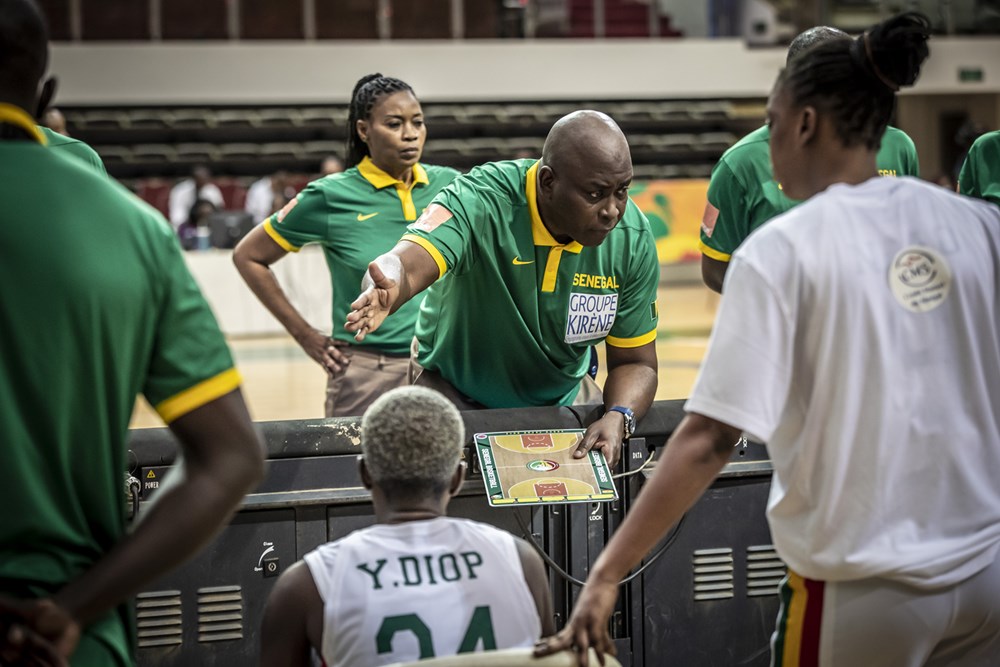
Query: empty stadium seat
{"type": "Point", "coordinates": [524, 113]}
{"type": "Point", "coordinates": [196, 152]}
{"type": "Point", "coordinates": [282, 151]}
{"type": "Point", "coordinates": [75, 120]}
{"type": "Point", "coordinates": [153, 153]}
{"type": "Point", "coordinates": [447, 113]}
{"type": "Point", "coordinates": [191, 118]}
{"type": "Point", "coordinates": [239, 151]}
{"type": "Point", "coordinates": [713, 110]}
{"type": "Point", "coordinates": [678, 143]}
{"type": "Point", "coordinates": [278, 117]}
{"type": "Point", "coordinates": [634, 112]}
{"type": "Point", "coordinates": [236, 118]}
{"type": "Point", "coordinates": [444, 150]}
{"type": "Point", "coordinates": [104, 119]}
{"type": "Point", "coordinates": [515, 145]}
{"type": "Point", "coordinates": [644, 141]}
{"type": "Point", "coordinates": [317, 150]}
{"type": "Point", "coordinates": [322, 116]}
{"type": "Point", "coordinates": [485, 114]}
{"type": "Point", "coordinates": [114, 154]}
{"type": "Point", "coordinates": [150, 118]}
{"type": "Point", "coordinates": [716, 141]}
{"type": "Point", "coordinates": [679, 112]}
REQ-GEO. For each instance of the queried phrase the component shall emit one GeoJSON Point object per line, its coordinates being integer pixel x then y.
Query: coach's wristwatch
{"type": "Point", "coordinates": [629, 419]}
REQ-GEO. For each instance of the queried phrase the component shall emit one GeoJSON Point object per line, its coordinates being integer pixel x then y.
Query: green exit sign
{"type": "Point", "coordinates": [970, 74]}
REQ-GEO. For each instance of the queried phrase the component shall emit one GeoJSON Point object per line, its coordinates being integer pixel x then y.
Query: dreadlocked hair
{"type": "Point", "coordinates": [854, 81]}
{"type": "Point", "coordinates": [367, 92]}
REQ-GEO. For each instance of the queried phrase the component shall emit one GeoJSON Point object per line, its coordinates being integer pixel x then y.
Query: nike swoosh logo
{"type": "Point", "coordinates": [362, 218]}
{"type": "Point", "coordinates": [519, 262]}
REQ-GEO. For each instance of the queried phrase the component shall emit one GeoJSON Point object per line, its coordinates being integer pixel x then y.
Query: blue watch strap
{"type": "Point", "coordinates": [629, 425]}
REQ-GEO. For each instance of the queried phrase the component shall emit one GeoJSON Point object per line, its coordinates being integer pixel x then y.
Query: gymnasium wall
{"type": "Point", "coordinates": [311, 72]}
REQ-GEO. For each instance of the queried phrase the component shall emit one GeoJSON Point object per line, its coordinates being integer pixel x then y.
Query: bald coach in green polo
{"type": "Point", "coordinates": [527, 265]}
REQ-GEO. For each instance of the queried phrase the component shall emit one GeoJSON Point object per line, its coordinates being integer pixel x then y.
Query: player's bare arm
{"type": "Point", "coordinates": [692, 458]}
{"type": "Point", "coordinates": [222, 460]}
{"type": "Point", "coordinates": [392, 279]}
{"type": "Point", "coordinates": [253, 258]}
{"type": "Point", "coordinates": [713, 272]}
{"type": "Point", "coordinates": [631, 383]}
{"type": "Point", "coordinates": [293, 619]}
{"type": "Point", "coordinates": [538, 584]}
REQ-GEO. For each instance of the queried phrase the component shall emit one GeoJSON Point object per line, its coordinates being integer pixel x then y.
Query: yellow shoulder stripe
{"type": "Point", "coordinates": [431, 250]}
{"type": "Point", "coordinates": [712, 252]}
{"type": "Point", "coordinates": [638, 341]}
{"type": "Point", "coordinates": [194, 397]}
{"type": "Point", "coordinates": [278, 238]}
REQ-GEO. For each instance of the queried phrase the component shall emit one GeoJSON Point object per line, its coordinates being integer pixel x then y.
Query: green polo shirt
{"type": "Point", "coordinates": [745, 194]}
{"type": "Point", "coordinates": [356, 216]}
{"type": "Point", "coordinates": [511, 320]}
{"type": "Point", "coordinates": [980, 175]}
{"type": "Point", "coordinates": [101, 310]}
{"type": "Point", "coordinates": [74, 147]}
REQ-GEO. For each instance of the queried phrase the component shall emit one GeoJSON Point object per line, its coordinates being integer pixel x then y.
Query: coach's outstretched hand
{"type": "Point", "coordinates": [380, 292]}
{"type": "Point", "coordinates": [587, 626]}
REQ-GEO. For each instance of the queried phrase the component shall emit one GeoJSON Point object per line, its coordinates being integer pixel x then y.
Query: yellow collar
{"type": "Point", "coordinates": [380, 179]}
{"type": "Point", "coordinates": [18, 117]}
{"type": "Point", "coordinates": [539, 232]}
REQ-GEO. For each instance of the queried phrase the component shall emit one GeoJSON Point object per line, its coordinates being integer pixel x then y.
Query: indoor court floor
{"type": "Point", "coordinates": [281, 382]}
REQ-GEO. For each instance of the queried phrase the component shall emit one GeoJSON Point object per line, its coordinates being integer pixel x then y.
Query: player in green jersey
{"type": "Point", "coordinates": [101, 310]}
{"type": "Point", "coordinates": [743, 195]}
{"type": "Point", "coordinates": [527, 265]}
{"type": "Point", "coordinates": [355, 215]}
{"type": "Point", "coordinates": [980, 175]}
{"type": "Point", "coordinates": [74, 147]}
{"type": "Point", "coordinates": [52, 124]}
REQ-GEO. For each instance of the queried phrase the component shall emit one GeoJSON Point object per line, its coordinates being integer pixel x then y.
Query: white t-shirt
{"type": "Point", "coordinates": [260, 199]}
{"type": "Point", "coordinates": [396, 593]}
{"type": "Point", "coordinates": [859, 337]}
{"type": "Point", "coordinates": [185, 194]}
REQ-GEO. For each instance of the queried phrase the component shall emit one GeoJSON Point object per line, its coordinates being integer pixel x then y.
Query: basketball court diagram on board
{"type": "Point", "coordinates": [537, 467]}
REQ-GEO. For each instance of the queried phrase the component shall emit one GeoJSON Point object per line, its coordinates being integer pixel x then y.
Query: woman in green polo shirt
{"type": "Point", "coordinates": [355, 215]}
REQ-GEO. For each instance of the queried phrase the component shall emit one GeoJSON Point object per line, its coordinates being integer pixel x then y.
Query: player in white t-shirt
{"type": "Point", "coordinates": [418, 584]}
{"type": "Point", "coordinates": [859, 337]}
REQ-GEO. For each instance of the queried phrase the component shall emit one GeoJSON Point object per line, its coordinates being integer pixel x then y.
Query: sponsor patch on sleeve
{"type": "Point", "coordinates": [590, 316]}
{"type": "Point", "coordinates": [708, 220]}
{"type": "Point", "coordinates": [287, 209]}
{"type": "Point", "coordinates": [433, 217]}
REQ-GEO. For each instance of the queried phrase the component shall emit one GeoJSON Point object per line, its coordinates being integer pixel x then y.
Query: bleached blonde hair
{"type": "Point", "coordinates": [411, 441]}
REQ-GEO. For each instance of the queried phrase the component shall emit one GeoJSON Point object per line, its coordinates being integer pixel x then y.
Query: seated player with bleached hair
{"type": "Point", "coordinates": [418, 584]}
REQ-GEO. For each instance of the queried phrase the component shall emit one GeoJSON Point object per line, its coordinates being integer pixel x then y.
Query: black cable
{"type": "Point", "coordinates": [132, 489]}
{"type": "Point", "coordinates": [566, 576]}
{"type": "Point", "coordinates": [563, 574]}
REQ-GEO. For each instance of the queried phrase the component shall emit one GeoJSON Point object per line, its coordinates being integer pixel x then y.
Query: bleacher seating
{"type": "Point", "coordinates": [149, 148]}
